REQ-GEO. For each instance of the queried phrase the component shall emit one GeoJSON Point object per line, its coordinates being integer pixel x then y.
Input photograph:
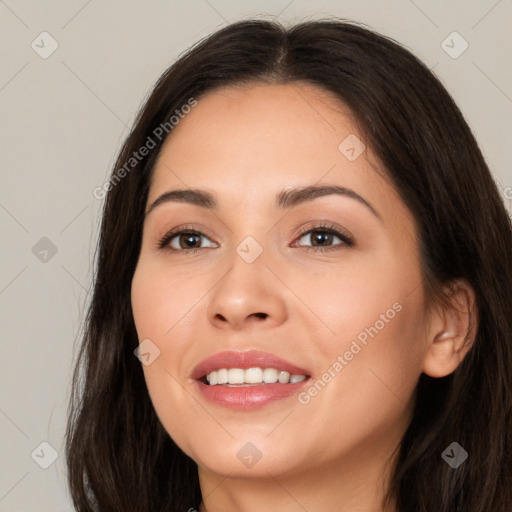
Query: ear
{"type": "Point", "coordinates": [452, 330]}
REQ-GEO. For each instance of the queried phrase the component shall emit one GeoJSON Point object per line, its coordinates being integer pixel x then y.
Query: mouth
{"type": "Point", "coordinates": [245, 380]}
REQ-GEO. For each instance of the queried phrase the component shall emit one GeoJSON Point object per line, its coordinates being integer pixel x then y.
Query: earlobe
{"type": "Point", "coordinates": [452, 331]}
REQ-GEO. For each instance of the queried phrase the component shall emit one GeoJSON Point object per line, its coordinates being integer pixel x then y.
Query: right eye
{"type": "Point", "coordinates": [184, 240]}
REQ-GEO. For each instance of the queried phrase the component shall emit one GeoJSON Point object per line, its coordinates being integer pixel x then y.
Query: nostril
{"type": "Point", "coordinates": [261, 315]}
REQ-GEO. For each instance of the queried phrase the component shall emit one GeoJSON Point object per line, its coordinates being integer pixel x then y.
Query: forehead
{"type": "Point", "coordinates": [261, 121]}
{"type": "Point", "coordinates": [246, 143]}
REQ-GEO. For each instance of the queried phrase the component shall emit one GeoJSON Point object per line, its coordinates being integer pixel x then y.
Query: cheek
{"type": "Point", "coordinates": [181, 417]}
{"type": "Point", "coordinates": [162, 300]}
{"type": "Point", "coordinates": [373, 348]}
{"type": "Point", "coordinates": [376, 299]}
{"type": "Point", "coordinates": [368, 392]}
{"type": "Point", "coordinates": [377, 358]}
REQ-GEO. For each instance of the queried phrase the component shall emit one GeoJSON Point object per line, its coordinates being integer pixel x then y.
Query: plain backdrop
{"type": "Point", "coordinates": [63, 118]}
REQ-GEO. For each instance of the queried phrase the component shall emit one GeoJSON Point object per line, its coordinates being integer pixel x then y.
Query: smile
{"type": "Point", "coordinates": [246, 380]}
{"type": "Point", "coordinates": [251, 376]}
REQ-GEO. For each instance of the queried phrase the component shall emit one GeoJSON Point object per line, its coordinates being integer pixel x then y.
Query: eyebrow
{"type": "Point", "coordinates": [284, 200]}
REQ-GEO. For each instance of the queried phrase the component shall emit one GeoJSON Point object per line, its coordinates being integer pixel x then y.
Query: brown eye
{"type": "Point", "coordinates": [320, 238]}
{"type": "Point", "coordinates": [184, 240]}
{"type": "Point", "coordinates": [324, 238]}
{"type": "Point", "coordinates": [187, 241]}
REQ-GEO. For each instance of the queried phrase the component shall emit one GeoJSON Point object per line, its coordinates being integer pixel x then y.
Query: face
{"type": "Point", "coordinates": [322, 285]}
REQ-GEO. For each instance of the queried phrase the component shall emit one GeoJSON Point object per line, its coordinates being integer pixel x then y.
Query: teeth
{"type": "Point", "coordinates": [269, 375]}
{"type": "Point", "coordinates": [284, 377]}
{"type": "Point", "coordinates": [222, 376]}
{"type": "Point", "coordinates": [253, 376]}
{"type": "Point", "coordinates": [236, 376]}
{"type": "Point", "coordinates": [239, 376]}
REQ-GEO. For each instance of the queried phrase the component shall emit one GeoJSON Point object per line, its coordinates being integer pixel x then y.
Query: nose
{"type": "Point", "coordinates": [248, 296]}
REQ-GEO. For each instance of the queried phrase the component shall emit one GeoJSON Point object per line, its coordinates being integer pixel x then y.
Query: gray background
{"type": "Point", "coordinates": [64, 118]}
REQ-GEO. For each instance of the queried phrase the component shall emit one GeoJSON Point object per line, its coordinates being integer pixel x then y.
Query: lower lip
{"type": "Point", "coordinates": [249, 397]}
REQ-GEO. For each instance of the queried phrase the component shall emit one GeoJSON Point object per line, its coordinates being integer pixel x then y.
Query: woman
{"type": "Point", "coordinates": [303, 246]}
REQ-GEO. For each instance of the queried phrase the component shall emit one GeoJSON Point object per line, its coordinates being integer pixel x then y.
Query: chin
{"type": "Point", "coordinates": [246, 456]}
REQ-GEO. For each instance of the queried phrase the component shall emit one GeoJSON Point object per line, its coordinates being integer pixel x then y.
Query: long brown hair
{"type": "Point", "coordinates": [120, 457]}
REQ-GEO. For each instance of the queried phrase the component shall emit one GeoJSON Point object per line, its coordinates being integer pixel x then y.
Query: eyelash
{"type": "Point", "coordinates": [347, 241]}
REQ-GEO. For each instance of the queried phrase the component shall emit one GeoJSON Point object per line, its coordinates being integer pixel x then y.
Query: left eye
{"type": "Point", "coordinates": [323, 238]}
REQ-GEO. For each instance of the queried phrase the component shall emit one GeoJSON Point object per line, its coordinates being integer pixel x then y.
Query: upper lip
{"type": "Point", "coordinates": [244, 360]}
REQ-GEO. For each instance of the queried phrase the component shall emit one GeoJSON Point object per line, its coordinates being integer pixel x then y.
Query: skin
{"type": "Point", "coordinates": [244, 145]}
